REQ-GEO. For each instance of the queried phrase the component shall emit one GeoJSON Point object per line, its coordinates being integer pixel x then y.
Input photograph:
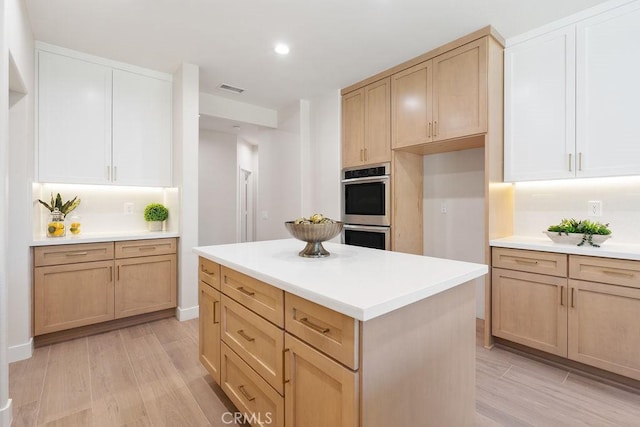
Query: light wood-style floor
{"type": "Point", "coordinates": [149, 375]}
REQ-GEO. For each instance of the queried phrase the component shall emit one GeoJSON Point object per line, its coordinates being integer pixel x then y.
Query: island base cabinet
{"type": "Point", "coordinates": [209, 329]}
{"type": "Point", "coordinates": [145, 284]}
{"type": "Point", "coordinates": [260, 404]}
{"type": "Point", "coordinates": [530, 309]}
{"type": "Point", "coordinates": [603, 327]}
{"type": "Point", "coordinates": [72, 295]}
{"type": "Point", "coordinates": [319, 392]}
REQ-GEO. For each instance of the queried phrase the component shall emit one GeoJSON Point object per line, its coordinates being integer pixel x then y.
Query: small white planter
{"type": "Point", "coordinates": [575, 238]}
{"type": "Point", "coordinates": [154, 225]}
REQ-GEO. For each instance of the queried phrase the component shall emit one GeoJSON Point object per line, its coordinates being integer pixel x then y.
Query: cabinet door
{"type": "Point", "coordinates": [141, 130]}
{"type": "Point", "coordinates": [603, 327]}
{"type": "Point", "coordinates": [608, 90]}
{"type": "Point", "coordinates": [377, 122]}
{"type": "Point", "coordinates": [145, 284]}
{"type": "Point", "coordinates": [539, 125]}
{"type": "Point", "coordinates": [353, 128]}
{"type": "Point", "coordinates": [73, 120]}
{"type": "Point", "coordinates": [460, 91]}
{"type": "Point", "coordinates": [318, 391]}
{"type": "Point", "coordinates": [411, 100]}
{"type": "Point", "coordinates": [72, 295]}
{"type": "Point", "coordinates": [209, 331]}
{"type": "Point", "coordinates": [530, 309]}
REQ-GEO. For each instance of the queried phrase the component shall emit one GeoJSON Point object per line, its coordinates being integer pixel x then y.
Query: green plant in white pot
{"type": "Point", "coordinates": [155, 214]}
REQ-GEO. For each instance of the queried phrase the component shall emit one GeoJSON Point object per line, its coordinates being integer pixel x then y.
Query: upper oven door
{"type": "Point", "coordinates": [367, 201]}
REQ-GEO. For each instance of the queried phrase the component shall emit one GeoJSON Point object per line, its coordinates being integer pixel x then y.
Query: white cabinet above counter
{"type": "Point", "coordinates": [570, 98]}
{"type": "Point", "coordinates": [101, 122]}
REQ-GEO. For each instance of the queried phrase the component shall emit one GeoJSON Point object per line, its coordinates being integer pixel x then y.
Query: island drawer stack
{"type": "Point", "coordinates": [259, 342]}
{"type": "Point", "coordinates": [583, 308]}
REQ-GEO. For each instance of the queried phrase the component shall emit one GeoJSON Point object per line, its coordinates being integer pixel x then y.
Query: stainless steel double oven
{"type": "Point", "coordinates": [366, 206]}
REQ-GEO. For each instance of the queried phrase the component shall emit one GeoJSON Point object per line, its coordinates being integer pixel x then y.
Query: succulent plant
{"type": "Point", "coordinates": [585, 227]}
{"type": "Point", "coordinates": [155, 212]}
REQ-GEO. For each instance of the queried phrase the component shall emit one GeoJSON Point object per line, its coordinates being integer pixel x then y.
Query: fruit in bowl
{"type": "Point", "coordinates": [314, 231]}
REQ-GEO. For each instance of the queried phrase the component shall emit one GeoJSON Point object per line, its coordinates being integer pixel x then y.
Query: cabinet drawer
{"type": "Point", "coordinates": [250, 393]}
{"type": "Point", "coordinates": [258, 342]}
{"type": "Point", "coordinates": [69, 254]}
{"type": "Point", "coordinates": [531, 261]}
{"type": "Point", "coordinates": [136, 248]}
{"type": "Point", "coordinates": [209, 272]}
{"type": "Point", "coordinates": [329, 331]}
{"type": "Point", "coordinates": [258, 296]}
{"type": "Point", "coordinates": [605, 270]}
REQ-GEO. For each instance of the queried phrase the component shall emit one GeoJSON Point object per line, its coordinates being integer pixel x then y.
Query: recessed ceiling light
{"type": "Point", "coordinates": [281, 49]}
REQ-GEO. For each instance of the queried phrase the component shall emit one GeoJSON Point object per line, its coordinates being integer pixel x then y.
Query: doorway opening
{"type": "Point", "coordinates": [246, 209]}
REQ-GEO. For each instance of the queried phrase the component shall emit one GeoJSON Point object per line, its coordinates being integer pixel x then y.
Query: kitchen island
{"type": "Point", "coordinates": [363, 337]}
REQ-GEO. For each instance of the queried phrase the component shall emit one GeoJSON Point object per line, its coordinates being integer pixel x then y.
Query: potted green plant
{"type": "Point", "coordinates": [577, 232]}
{"type": "Point", "coordinates": [59, 210]}
{"type": "Point", "coordinates": [155, 214]}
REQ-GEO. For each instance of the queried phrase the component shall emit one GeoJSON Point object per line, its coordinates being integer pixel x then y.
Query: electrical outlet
{"type": "Point", "coordinates": [128, 208]}
{"type": "Point", "coordinates": [594, 208]}
{"type": "Point", "coordinates": [264, 214]}
{"type": "Point", "coordinates": [443, 208]}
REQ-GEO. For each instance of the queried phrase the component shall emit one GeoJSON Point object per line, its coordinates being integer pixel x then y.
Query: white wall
{"type": "Point", "coordinates": [325, 152]}
{"type": "Point", "coordinates": [456, 180]}
{"type": "Point", "coordinates": [217, 188]}
{"type": "Point", "coordinates": [21, 149]}
{"type": "Point", "coordinates": [540, 204]}
{"type": "Point", "coordinates": [5, 402]}
{"type": "Point", "coordinates": [185, 177]}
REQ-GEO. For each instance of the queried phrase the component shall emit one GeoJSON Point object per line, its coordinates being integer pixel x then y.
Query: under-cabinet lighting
{"type": "Point", "coordinates": [98, 188]}
{"type": "Point", "coordinates": [617, 181]}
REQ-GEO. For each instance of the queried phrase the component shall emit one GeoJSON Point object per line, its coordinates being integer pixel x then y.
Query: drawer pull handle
{"type": "Point", "coordinates": [245, 336]}
{"type": "Point", "coordinates": [561, 295]}
{"type": "Point", "coordinates": [525, 261]}
{"type": "Point", "coordinates": [245, 394]}
{"type": "Point", "coordinates": [313, 326]}
{"type": "Point", "coordinates": [618, 273]}
{"type": "Point", "coordinates": [205, 271]}
{"type": "Point", "coordinates": [77, 253]}
{"type": "Point", "coordinates": [287, 366]}
{"type": "Point", "coordinates": [246, 292]}
{"type": "Point", "coordinates": [147, 248]}
{"type": "Point", "coordinates": [573, 303]}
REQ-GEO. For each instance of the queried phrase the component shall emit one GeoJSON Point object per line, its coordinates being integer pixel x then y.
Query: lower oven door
{"type": "Point", "coordinates": [367, 235]}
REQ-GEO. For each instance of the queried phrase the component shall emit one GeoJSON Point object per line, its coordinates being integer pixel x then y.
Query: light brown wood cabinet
{"type": "Point", "coordinates": [442, 98]}
{"type": "Point", "coordinates": [366, 121]}
{"type": "Point", "coordinates": [319, 392]}
{"type": "Point", "coordinates": [587, 313]}
{"type": "Point", "coordinates": [286, 361]}
{"type": "Point", "coordinates": [89, 283]}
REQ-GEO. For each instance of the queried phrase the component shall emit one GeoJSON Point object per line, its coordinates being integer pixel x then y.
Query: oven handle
{"type": "Point", "coordinates": [366, 227]}
{"type": "Point", "coordinates": [383, 178]}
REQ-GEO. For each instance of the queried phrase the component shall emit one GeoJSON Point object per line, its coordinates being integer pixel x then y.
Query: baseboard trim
{"type": "Point", "coordinates": [187, 313]}
{"type": "Point", "coordinates": [20, 351]}
{"type": "Point", "coordinates": [6, 416]}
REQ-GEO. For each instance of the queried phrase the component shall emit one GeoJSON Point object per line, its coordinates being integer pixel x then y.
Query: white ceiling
{"type": "Point", "coordinates": [334, 43]}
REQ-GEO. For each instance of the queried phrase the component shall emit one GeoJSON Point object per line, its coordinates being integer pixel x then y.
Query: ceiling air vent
{"type": "Point", "coordinates": [230, 88]}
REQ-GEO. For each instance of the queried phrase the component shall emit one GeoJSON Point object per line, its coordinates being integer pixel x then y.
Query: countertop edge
{"type": "Point", "coordinates": [358, 313]}
{"type": "Point", "coordinates": [628, 251]}
{"type": "Point", "coordinates": [116, 237]}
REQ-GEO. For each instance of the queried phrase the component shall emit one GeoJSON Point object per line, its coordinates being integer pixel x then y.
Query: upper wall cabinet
{"type": "Point", "coordinates": [101, 123]}
{"type": "Point", "coordinates": [365, 125]}
{"type": "Point", "coordinates": [442, 98]}
{"type": "Point", "coordinates": [540, 108]}
{"type": "Point", "coordinates": [571, 97]}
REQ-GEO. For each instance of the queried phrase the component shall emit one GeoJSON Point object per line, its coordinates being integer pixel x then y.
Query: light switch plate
{"type": "Point", "coordinates": [128, 208]}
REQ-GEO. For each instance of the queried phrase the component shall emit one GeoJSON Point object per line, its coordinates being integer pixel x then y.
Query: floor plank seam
{"type": "Point", "coordinates": [565, 378]}
{"type": "Point", "coordinates": [507, 371]}
{"type": "Point", "coordinates": [126, 350]}
{"type": "Point", "coordinates": [86, 341]}
{"type": "Point", "coordinates": [44, 379]}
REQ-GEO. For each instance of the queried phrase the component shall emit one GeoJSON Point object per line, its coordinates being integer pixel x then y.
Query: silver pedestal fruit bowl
{"type": "Point", "coordinates": [314, 235]}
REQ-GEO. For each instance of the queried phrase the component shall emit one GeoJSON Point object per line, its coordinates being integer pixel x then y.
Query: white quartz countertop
{"type": "Point", "coordinates": [359, 282]}
{"type": "Point", "coordinates": [609, 249]}
{"type": "Point", "coordinates": [71, 239]}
